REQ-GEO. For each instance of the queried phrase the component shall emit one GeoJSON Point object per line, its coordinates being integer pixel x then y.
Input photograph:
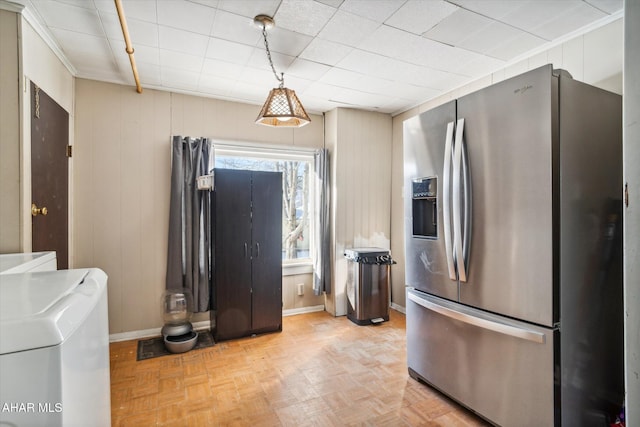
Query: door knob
{"type": "Point", "coordinates": [35, 211]}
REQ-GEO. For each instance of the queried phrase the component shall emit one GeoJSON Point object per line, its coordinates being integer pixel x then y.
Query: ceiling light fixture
{"type": "Point", "coordinates": [282, 108]}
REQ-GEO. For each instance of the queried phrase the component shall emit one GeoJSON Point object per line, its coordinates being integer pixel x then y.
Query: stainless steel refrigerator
{"type": "Point", "coordinates": [513, 250]}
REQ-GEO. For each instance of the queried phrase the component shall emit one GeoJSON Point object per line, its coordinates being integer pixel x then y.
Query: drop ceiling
{"type": "Point", "coordinates": [380, 55]}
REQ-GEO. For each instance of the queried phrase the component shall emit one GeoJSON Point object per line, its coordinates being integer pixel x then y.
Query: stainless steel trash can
{"type": "Point", "coordinates": [368, 285]}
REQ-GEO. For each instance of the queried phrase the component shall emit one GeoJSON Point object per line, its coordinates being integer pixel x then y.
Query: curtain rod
{"type": "Point", "coordinates": [128, 46]}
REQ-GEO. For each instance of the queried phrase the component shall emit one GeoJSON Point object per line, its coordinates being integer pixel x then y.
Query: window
{"type": "Point", "coordinates": [297, 192]}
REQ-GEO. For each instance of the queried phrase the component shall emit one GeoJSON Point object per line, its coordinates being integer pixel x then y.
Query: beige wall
{"type": "Point", "coordinates": [122, 183]}
{"type": "Point", "coordinates": [359, 144]}
{"type": "Point", "coordinates": [24, 57]}
{"type": "Point", "coordinates": [595, 58]}
{"type": "Point", "coordinates": [9, 133]}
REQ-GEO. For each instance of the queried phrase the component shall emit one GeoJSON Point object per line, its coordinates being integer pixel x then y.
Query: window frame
{"type": "Point", "coordinates": [279, 153]}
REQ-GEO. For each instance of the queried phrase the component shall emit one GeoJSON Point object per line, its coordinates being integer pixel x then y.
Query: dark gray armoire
{"type": "Point", "coordinates": [246, 223]}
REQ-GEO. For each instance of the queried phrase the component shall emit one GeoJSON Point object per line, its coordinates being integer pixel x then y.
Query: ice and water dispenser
{"type": "Point", "coordinates": [424, 195]}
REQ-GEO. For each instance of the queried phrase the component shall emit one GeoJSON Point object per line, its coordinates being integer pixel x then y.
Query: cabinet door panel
{"type": "Point", "coordinates": [267, 250]}
{"type": "Point", "coordinates": [232, 263]}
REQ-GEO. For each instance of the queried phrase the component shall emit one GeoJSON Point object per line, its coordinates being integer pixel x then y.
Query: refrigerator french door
{"type": "Point", "coordinates": [505, 208]}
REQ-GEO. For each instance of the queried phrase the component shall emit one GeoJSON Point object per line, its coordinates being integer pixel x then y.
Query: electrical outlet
{"type": "Point", "coordinates": [300, 289]}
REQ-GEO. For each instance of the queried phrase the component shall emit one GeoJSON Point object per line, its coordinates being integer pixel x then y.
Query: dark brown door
{"type": "Point", "coordinates": [266, 234]}
{"type": "Point", "coordinates": [232, 264]}
{"type": "Point", "coordinates": [49, 176]}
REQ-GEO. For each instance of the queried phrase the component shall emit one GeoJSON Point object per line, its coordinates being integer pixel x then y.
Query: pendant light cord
{"type": "Point", "coordinates": [266, 45]}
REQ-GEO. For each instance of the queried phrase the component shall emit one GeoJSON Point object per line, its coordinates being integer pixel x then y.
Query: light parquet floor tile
{"type": "Point", "coordinates": [320, 371]}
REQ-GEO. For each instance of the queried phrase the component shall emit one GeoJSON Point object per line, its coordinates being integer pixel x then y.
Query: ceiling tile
{"type": "Point", "coordinates": [180, 78]}
{"type": "Point", "coordinates": [355, 98]}
{"type": "Point", "coordinates": [457, 26]}
{"type": "Point", "coordinates": [323, 90]}
{"type": "Point", "coordinates": [307, 69]}
{"type": "Point", "coordinates": [111, 26]}
{"type": "Point", "coordinates": [367, 62]}
{"type": "Point", "coordinates": [503, 41]}
{"type": "Point", "coordinates": [140, 32]}
{"type": "Point", "coordinates": [408, 91]}
{"type": "Point", "coordinates": [79, 44]}
{"type": "Point", "coordinates": [215, 85]}
{"type": "Point", "coordinates": [258, 77]}
{"type": "Point", "coordinates": [249, 93]}
{"type": "Point", "coordinates": [608, 6]}
{"type": "Point", "coordinates": [229, 51]}
{"type": "Point", "coordinates": [182, 41]}
{"type": "Point", "coordinates": [325, 52]}
{"type": "Point", "coordinates": [71, 18]}
{"type": "Point", "coordinates": [332, 3]}
{"type": "Point", "coordinates": [515, 46]}
{"type": "Point", "coordinates": [418, 16]}
{"type": "Point", "coordinates": [387, 55]}
{"type": "Point", "coordinates": [479, 65]}
{"type": "Point", "coordinates": [302, 16]}
{"type": "Point", "coordinates": [568, 21]}
{"type": "Point", "coordinates": [143, 33]}
{"type": "Point", "coordinates": [494, 9]}
{"type": "Point", "coordinates": [383, 8]}
{"type": "Point", "coordinates": [141, 10]}
{"type": "Point", "coordinates": [170, 58]}
{"type": "Point", "coordinates": [185, 15]}
{"type": "Point", "coordinates": [149, 74]}
{"type": "Point", "coordinates": [341, 78]}
{"type": "Point", "coordinates": [258, 59]}
{"type": "Point", "coordinates": [250, 8]}
{"type": "Point", "coordinates": [150, 55]}
{"type": "Point", "coordinates": [285, 41]}
{"type": "Point", "coordinates": [219, 68]}
{"type": "Point", "coordinates": [230, 26]}
{"type": "Point", "coordinates": [347, 28]}
{"type": "Point", "coordinates": [387, 40]}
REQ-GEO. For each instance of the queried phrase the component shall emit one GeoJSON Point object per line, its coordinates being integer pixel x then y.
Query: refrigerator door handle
{"type": "Point", "coordinates": [446, 201]}
{"type": "Point", "coordinates": [466, 180]}
{"type": "Point", "coordinates": [502, 328]}
{"type": "Point", "coordinates": [458, 185]}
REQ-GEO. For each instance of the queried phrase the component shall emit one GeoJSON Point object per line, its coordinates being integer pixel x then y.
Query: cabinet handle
{"type": "Point", "coordinates": [257, 250]}
{"type": "Point", "coordinates": [245, 249]}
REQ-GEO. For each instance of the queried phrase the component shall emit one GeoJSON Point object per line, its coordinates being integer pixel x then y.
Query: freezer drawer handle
{"type": "Point", "coordinates": [446, 201]}
{"type": "Point", "coordinates": [502, 328]}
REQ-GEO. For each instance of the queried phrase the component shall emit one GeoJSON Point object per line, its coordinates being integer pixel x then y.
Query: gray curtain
{"type": "Point", "coordinates": [322, 261]}
{"type": "Point", "coordinates": [188, 258]}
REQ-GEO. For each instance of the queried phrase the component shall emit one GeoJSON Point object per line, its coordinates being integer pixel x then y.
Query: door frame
{"type": "Point", "coordinates": [25, 166]}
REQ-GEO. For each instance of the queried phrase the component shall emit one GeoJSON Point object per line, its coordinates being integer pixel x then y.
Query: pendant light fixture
{"type": "Point", "coordinates": [282, 108]}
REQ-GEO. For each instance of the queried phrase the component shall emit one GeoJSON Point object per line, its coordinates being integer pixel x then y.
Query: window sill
{"type": "Point", "coordinates": [297, 268]}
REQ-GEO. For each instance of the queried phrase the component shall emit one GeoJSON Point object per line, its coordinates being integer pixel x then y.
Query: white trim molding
{"type": "Point", "coordinates": [199, 326]}
{"type": "Point", "coordinates": [399, 308]}
{"type": "Point", "coordinates": [302, 310]}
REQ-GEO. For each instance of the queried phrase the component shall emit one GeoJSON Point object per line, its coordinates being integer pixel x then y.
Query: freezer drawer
{"type": "Point", "coordinates": [500, 368]}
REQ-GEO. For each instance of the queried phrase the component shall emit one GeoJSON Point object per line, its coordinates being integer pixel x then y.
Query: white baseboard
{"type": "Point", "coordinates": [199, 326]}
{"type": "Point", "coordinates": [399, 308]}
{"type": "Point", "coordinates": [302, 310]}
{"type": "Point", "coordinates": [155, 332]}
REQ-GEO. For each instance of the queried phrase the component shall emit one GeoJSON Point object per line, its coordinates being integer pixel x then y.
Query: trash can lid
{"type": "Point", "coordinates": [365, 252]}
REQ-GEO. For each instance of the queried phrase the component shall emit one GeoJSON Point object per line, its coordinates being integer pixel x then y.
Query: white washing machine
{"type": "Point", "coordinates": [54, 349]}
{"type": "Point", "coordinates": [28, 261]}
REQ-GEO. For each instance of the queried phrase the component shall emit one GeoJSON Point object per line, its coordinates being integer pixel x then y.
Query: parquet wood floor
{"type": "Point", "coordinates": [319, 371]}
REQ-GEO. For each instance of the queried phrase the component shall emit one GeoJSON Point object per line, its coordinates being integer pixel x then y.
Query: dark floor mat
{"type": "Point", "coordinates": [154, 347]}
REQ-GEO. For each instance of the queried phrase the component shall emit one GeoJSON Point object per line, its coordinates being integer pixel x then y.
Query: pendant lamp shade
{"type": "Point", "coordinates": [283, 108]}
